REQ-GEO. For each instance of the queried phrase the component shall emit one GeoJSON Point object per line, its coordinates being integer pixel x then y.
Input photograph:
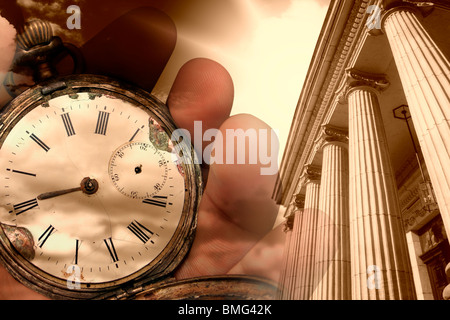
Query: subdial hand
{"type": "Point", "coordinates": [88, 186]}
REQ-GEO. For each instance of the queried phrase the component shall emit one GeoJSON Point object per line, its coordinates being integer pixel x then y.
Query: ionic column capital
{"type": "Point", "coordinates": [356, 79]}
{"type": "Point", "coordinates": [331, 134]}
{"type": "Point", "coordinates": [299, 201]}
{"type": "Point", "coordinates": [296, 206]}
{"type": "Point", "coordinates": [420, 8]}
{"type": "Point", "coordinates": [310, 173]}
{"type": "Point", "coordinates": [289, 222]}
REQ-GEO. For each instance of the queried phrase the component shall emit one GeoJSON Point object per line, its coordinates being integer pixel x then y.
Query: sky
{"type": "Point", "coordinates": [267, 51]}
{"type": "Point", "coordinates": [266, 46]}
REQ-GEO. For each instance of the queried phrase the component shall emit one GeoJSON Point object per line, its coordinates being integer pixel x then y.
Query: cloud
{"type": "Point", "coordinates": [7, 51]}
{"type": "Point", "coordinates": [273, 7]}
{"type": "Point", "coordinates": [46, 9]}
{"type": "Point", "coordinates": [275, 62]}
{"type": "Point", "coordinates": [7, 46]}
{"type": "Point", "coordinates": [64, 33]}
{"type": "Point", "coordinates": [55, 13]}
{"type": "Point", "coordinates": [49, 9]}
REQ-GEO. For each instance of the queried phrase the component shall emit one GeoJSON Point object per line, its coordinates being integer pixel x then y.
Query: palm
{"type": "Point", "coordinates": [236, 209]}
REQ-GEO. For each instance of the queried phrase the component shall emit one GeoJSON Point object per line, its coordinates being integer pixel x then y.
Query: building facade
{"type": "Point", "coordinates": [365, 176]}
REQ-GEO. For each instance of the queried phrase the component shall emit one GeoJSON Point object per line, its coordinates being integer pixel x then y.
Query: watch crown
{"type": "Point", "coordinates": [36, 32]}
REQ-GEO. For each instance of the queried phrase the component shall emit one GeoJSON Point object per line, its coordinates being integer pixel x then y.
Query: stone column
{"type": "Point", "coordinates": [306, 254]}
{"type": "Point", "coordinates": [290, 260]}
{"type": "Point", "coordinates": [425, 75]}
{"type": "Point", "coordinates": [332, 268]}
{"type": "Point", "coordinates": [380, 267]}
{"type": "Point", "coordinates": [285, 276]}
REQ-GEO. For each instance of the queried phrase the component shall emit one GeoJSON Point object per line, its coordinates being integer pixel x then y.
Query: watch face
{"type": "Point", "coordinates": [93, 189]}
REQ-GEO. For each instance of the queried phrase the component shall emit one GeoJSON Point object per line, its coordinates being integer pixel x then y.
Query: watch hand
{"type": "Point", "coordinates": [87, 185]}
{"type": "Point", "coordinates": [51, 194]}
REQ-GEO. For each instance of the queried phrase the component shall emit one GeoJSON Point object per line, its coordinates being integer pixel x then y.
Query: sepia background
{"type": "Point", "coordinates": [266, 46]}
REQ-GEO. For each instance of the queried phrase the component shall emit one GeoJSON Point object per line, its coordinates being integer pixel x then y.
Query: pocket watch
{"type": "Point", "coordinates": [98, 194]}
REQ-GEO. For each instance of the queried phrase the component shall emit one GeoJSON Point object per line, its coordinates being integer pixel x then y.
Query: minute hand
{"type": "Point", "coordinates": [51, 194]}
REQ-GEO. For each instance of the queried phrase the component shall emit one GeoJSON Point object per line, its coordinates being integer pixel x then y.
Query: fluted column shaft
{"type": "Point", "coordinates": [425, 75]}
{"type": "Point", "coordinates": [332, 267]}
{"type": "Point", "coordinates": [285, 276]}
{"type": "Point", "coordinates": [305, 277]}
{"type": "Point", "coordinates": [377, 237]}
{"type": "Point", "coordinates": [288, 276]}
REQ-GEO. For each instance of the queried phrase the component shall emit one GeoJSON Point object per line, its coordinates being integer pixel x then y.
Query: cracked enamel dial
{"type": "Point", "coordinates": [91, 183]}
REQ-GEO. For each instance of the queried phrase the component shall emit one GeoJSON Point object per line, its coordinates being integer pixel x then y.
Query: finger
{"type": "Point", "coordinates": [236, 210]}
{"type": "Point", "coordinates": [135, 47]}
{"type": "Point", "coordinates": [202, 91]}
{"type": "Point", "coordinates": [201, 98]}
{"type": "Point", "coordinates": [243, 174]}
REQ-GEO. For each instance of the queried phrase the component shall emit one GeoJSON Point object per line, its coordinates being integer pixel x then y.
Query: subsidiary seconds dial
{"type": "Point", "coordinates": [138, 169]}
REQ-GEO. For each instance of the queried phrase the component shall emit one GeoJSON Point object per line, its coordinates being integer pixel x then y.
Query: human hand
{"type": "Point", "coordinates": [236, 210]}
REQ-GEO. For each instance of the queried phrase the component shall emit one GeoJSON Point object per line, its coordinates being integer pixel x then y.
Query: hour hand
{"type": "Point", "coordinates": [87, 185]}
{"type": "Point", "coordinates": [52, 194]}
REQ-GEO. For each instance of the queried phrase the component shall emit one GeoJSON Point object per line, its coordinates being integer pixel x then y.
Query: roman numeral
{"type": "Point", "coordinates": [140, 231]}
{"type": "Point", "coordinates": [134, 135]}
{"type": "Point", "coordinates": [112, 251]}
{"type": "Point", "coordinates": [77, 246]}
{"type": "Point", "coordinates": [39, 142]}
{"type": "Point", "coordinates": [24, 206]}
{"type": "Point", "coordinates": [22, 172]}
{"type": "Point", "coordinates": [68, 124]}
{"type": "Point", "coordinates": [102, 122]}
{"type": "Point", "coordinates": [159, 201]}
{"type": "Point", "coordinates": [47, 233]}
